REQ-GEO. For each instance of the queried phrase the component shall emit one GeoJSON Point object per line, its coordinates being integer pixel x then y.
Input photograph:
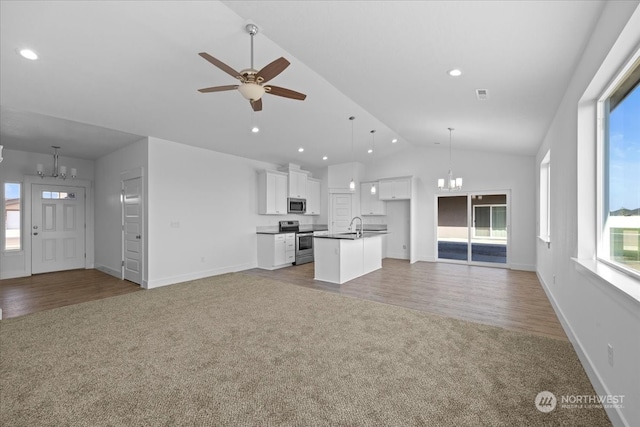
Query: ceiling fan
{"type": "Point", "coordinates": [252, 81]}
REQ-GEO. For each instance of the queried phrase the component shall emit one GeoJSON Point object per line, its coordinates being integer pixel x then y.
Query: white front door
{"type": "Point", "coordinates": [57, 228]}
{"type": "Point", "coordinates": [132, 229]}
{"type": "Point", "coordinates": [340, 212]}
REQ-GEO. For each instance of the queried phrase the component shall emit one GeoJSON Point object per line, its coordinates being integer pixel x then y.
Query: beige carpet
{"type": "Point", "coordinates": [241, 350]}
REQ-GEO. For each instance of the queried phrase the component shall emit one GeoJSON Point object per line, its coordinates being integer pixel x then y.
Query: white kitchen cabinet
{"type": "Point", "coordinates": [313, 196]}
{"type": "Point", "coordinates": [341, 260]}
{"type": "Point", "coordinates": [272, 192]}
{"type": "Point", "coordinates": [395, 189]}
{"type": "Point", "coordinates": [297, 184]}
{"type": "Point", "coordinates": [370, 204]}
{"type": "Point", "coordinates": [276, 250]}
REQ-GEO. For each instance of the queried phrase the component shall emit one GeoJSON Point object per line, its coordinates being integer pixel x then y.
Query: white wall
{"type": "Point", "coordinates": [481, 171]}
{"type": "Point", "coordinates": [399, 228]}
{"type": "Point", "coordinates": [108, 204]}
{"type": "Point", "coordinates": [18, 164]}
{"type": "Point", "coordinates": [593, 312]}
{"type": "Point", "coordinates": [202, 212]}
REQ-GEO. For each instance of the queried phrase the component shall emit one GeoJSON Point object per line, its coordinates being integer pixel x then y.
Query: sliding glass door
{"type": "Point", "coordinates": [473, 228]}
{"type": "Point", "coordinates": [453, 228]}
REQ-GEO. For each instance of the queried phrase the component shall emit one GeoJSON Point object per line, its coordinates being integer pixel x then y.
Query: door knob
{"type": "Point", "coordinates": [138, 237]}
{"type": "Point", "coordinates": [35, 234]}
{"type": "Point", "coordinates": [35, 227]}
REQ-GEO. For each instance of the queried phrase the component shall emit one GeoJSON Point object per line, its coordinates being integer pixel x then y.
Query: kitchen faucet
{"type": "Point", "coordinates": [358, 233]}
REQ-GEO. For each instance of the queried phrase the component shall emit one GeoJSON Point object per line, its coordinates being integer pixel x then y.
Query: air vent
{"type": "Point", "coordinates": [482, 94]}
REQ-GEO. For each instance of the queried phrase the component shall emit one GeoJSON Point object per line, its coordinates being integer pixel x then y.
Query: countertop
{"type": "Point", "coordinates": [379, 228]}
{"type": "Point", "coordinates": [351, 236]}
{"type": "Point", "coordinates": [303, 228]}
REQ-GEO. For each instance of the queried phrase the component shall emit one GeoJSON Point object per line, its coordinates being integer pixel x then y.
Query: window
{"type": "Point", "coordinates": [545, 198]}
{"type": "Point", "coordinates": [490, 221]}
{"type": "Point", "coordinates": [619, 177]}
{"type": "Point", "coordinates": [57, 195]}
{"type": "Point", "coordinates": [12, 217]}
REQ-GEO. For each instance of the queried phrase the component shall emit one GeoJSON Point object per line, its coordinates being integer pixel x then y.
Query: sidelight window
{"type": "Point", "coordinates": [12, 216]}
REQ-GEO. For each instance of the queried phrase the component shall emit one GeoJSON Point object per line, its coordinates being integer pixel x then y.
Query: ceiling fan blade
{"type": "Point", "coordinates": [217, 88]}
{"type": "Point", "coordinates": [272, 69]}
{"type": "Point", "coordinates": [287, 93]}
{"type": "Point", "coordinates": [256, 105]}
{"type": "Point", "coordinates": [224, 67]}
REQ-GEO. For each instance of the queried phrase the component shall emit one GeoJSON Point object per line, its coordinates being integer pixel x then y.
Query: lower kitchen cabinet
{"type": "Point", "coordinates": [276, 250]}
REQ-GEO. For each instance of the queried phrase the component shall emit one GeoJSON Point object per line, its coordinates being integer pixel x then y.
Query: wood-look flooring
{"type": "Point", "coordinates": [26, 295]}
{"type": "Point", "coordinates": [494, 296]}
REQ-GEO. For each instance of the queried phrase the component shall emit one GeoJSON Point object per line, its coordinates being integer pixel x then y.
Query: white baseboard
{"type": "Point", "coordinates": [109, 271]}
{"type": "Point", "coordinates": [14, 274]}
{"type": "Point", "coordinates": [523, 267]}
{"type": "Point", "coordinates": [616, 417]}
{"type": "Point", "coordinates": [397, 255]}
{"type": "Point", "coordinates": [150, 284]}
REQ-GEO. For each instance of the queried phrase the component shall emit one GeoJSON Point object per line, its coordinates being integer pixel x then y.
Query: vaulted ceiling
{"type": "Point", "coordinates": [111, 72]}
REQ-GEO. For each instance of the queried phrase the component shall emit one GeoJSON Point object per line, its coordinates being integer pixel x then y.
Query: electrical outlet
{"type": "Point", "coordinates": [404, 246]}
{"type": "Point", "coordinates": [610, 351]}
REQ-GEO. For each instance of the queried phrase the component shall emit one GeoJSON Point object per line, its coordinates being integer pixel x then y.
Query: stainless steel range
{"type": "Point", "coordinates": [304, 241]}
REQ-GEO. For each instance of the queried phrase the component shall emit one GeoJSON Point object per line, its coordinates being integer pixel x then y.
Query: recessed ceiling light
{"type": "Point", "coordinates": [300, 150]}
{"type": "Point", "coordinates": [394, 140]}
{"type": "Point", "coordinates": [369, 151]}
{"type": "Point", "coordinates": [324, 157]}
{"type": "Point", "coordinates": [255, 129]}
{"type": "Point", "coordinates": [28, 53]}
{"type": "Point", "coordinates": [455, 72]}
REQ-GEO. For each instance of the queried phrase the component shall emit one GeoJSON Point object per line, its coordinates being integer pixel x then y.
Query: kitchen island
{"type": "Point", "coordinates": [343, 257]}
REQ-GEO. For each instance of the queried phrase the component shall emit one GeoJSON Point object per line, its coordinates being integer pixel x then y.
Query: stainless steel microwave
{"type": "Point", "coordinates": [296, 205]}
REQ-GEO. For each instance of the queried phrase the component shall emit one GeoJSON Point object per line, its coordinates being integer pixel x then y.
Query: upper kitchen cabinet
{"type": "Point", "coordinates": [297, 184]}
{"type": "Point", "coordinates": [370, 204]}
{"type": "Point", "coordinates": [395, 189]}
{"type": "Point", "coordinates": [272, 192]}
{"type": "Point", "coordinates": [313, 196]}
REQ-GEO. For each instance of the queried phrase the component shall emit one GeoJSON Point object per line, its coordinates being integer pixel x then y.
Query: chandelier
{"type": "Point", "coordinates": [450, 183]}
{"type": "Point", "coordinates": [58, 171]}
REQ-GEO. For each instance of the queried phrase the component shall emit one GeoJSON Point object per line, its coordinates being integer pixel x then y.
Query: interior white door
{"type": "Point", "coordinates": [58, 228]}
{"type": "Point", "coordinates": [340, 212]}
{"type": "Point", "coordinates": [132, 229]}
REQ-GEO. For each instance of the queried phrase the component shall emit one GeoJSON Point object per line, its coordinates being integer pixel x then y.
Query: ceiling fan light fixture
{"type": "Point", "coordinates": [28, 54]}
{"type": "Point", "coordinates": [251, 91]}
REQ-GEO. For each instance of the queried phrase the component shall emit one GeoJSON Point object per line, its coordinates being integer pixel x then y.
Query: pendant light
{"type": "Point", "coordinates": [373, 153]}
{"type": "Point", "coordinates": [352, 184]}
{"type": "Point", "coordinates": [449, 183]}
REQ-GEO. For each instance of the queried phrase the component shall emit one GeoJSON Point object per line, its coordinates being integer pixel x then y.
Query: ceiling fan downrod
{"type": "Point", "coordinates": [252, 30]}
